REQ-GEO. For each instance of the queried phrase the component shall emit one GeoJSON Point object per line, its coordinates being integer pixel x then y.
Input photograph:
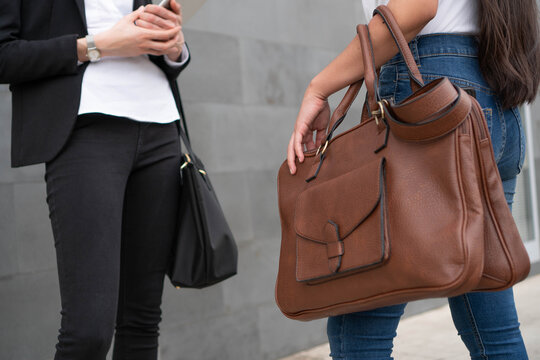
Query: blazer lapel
{"type": "Point", "coordinates": [80, 6]}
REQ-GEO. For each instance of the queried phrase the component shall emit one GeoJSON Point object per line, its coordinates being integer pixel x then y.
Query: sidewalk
{"type": "Point", "coordinates": [417, 340]}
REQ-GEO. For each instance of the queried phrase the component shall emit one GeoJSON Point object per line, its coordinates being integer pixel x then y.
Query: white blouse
{"type": "Point", "coordinates": [131, 87]}
{"type": "Point", "coordinates": [453, 16]}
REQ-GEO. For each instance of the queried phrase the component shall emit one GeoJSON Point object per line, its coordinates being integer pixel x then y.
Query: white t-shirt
{"type": "Point", "coordinates": [453, 16]}
{"type": "Point", "coordinates": [131, 87]}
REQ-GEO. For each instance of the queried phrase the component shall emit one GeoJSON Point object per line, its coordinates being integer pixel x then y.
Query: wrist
{"type": "Point", "coordinates": [316, 90]}
{"type": "Point", "coordinates": [101, 44]}
{"type": "Point", "coordinates": [82, 54]}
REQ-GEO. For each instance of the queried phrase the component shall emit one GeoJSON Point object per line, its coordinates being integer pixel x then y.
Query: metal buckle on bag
{"type": "Point", "coordinates": [323, 147]}
{"type": "Point", "coordinates": [379, 114]}
{"type": "Point", "coordinates": [187, 162]}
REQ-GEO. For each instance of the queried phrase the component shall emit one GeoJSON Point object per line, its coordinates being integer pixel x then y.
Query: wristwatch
{"type": "Point", "coordinates": [91, 49]}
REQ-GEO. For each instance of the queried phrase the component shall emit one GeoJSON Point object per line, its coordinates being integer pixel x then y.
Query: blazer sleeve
{"type": "Point", "coordinates": [171, 72]}
{"type": "Point", "coordinates": [27, 60]}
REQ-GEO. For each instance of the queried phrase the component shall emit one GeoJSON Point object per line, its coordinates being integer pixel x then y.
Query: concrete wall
{"type": "Point", "coordinates": [251, 63]}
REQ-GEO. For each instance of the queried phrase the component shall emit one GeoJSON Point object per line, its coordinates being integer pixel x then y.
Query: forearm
{"type": "Point", "coordinates": [28, 60]}
{"type": "Point", "coordinates": [348, 67]}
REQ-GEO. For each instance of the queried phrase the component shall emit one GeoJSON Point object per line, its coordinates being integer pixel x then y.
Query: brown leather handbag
{"type": "Point", "coordinates": [406, 205]}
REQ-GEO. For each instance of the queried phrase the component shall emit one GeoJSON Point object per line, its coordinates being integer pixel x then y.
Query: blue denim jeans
{"type": "Point", "coordinates": [487, 322]}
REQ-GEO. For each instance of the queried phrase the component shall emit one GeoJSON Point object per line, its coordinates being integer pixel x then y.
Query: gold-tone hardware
{"type": "Point", "coordinates": [178, 287]}
{"type": "Point", "coordinates": [202, 172]}
{"type": "Point", "coordinates": [379, 114]}
{"type": "Point", "coordinates": [323, 148]}
{"type": "Point", "coordinates": [187, 162]}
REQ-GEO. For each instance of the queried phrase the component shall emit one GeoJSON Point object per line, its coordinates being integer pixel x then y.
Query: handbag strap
{"type": "Point", "coordinates": [182, 127]}
{"type": "Point", "coordinates": [341, 111]}
{"type": "Point", "coordinates": [392, 25]}
{"type": "Point", "coordinates": [180, 108]}
{"type": "Point", "coordinates": [184, 135]}
{"type": "Point", "coordinates": [438, 123]}
{"type": "Point", "coordinates": [370, 73]}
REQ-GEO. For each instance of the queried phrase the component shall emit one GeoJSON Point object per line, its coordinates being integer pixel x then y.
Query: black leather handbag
{"type": "Point", "coordinates": [205, 252]}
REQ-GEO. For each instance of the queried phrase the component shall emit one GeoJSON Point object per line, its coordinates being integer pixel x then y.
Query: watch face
{"type": "Point", "coordinates": [94, 55]}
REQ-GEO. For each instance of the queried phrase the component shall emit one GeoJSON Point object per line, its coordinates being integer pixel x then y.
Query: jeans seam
{"type": "Point", "coordinates": [502, 121]}
{"type": "Point", "coordinates": [522, 138]}
{"type": "Point", "coordinates": [396, 81]}
{"type": "Point", "coordinates": [459, 54]}
{"type": "Point", "coordinates": [342, 336]}
{"type": "Point", "coordinates": [474, 325]}
{"type": "Point", "coordinates": [464, 82]}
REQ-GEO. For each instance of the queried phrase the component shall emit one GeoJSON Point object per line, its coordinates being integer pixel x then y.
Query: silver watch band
{"type": "Point", "coordinates": [91, 49]}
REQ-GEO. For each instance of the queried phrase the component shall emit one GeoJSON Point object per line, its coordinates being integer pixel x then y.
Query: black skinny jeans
{"type": "Point", "coordinates": [113, 199]}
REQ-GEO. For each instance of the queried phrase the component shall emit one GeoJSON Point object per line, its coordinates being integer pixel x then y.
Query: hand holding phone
{"type": "Point", "coordinates": [166, 4]}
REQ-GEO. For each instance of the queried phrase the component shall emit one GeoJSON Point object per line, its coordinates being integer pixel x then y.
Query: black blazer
{"type": "Point", "coordinates": [38, 58]}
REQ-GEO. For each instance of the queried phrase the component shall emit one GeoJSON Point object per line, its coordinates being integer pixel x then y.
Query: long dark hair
{"type": "Point", "coordinates": [509, 49]}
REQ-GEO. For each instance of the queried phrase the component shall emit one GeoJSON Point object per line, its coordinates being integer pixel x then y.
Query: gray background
{"type": "Point", "coordinates": [251, 63]}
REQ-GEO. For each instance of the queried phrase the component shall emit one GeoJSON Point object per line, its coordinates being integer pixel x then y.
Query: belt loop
{"type": "Point", "coordinates": [413, 45]}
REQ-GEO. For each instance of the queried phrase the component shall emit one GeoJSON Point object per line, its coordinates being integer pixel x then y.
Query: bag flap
{"type": "Point", "coordinates": [332, 210]}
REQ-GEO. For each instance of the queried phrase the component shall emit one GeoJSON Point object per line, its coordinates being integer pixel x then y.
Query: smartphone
{"type": "Point", "coordinates": [165, 4]}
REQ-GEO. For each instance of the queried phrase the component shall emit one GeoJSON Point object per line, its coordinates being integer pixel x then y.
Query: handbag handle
{"type": "Point", "coordinates": [184, 135]}
{"type": "Point", "coordinates": [392, 25]}
{"type": "Point", "coordinates": [370, 79]}
{"type": "Point", "coordinates": [370, 71]}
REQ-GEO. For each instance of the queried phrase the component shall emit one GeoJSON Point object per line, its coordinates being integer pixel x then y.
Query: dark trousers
{"type": "Point", "coordinates": [113, 198]}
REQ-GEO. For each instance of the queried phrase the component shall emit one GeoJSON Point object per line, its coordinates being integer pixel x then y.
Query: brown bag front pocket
{"type": "Point", "coordinates": [341, 225]}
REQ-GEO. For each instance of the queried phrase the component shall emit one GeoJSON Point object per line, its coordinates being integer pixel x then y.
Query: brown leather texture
{"type": "Point", "coordinates": [406, 205]}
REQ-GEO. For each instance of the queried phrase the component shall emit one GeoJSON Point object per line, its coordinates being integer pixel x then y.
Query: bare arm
{"type": "Point", "coordinates": [347, 68]}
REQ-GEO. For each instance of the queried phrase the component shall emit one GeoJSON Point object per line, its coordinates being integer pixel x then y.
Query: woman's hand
{"type": "Point", "coordinates": [159, 18]}
{"type": "Point", "coordinates": [127, 39]}
{"type": "Point", "coordinates": [347, 68]}
{"type": "Point", "coordinates": [313, 118]}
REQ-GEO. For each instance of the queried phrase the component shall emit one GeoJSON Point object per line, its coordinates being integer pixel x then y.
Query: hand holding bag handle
{"type": "Point", "coordinates": [370, 78]}
{"type": "Point", "coordinates": [371, 105]}
{"type": "Point", "coordinates": [370, 73]}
